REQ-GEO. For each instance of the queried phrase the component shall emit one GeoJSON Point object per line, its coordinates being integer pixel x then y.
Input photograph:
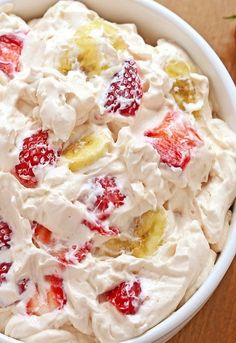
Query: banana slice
{"type": "Point", "coordinates": [183, 89]}
{"type": "Point", "coordinates": [115, 246]}
{"type": "Point", "coordinates": [90, 57]}
{"type": "Point", "coordinates": [149, 233]}
{"type": "Point", "coordinates": [177, 68]}
{"type": "Point", "coordinates": [107, 29]}
{"type": "Point", "coordinates": [86, 151]}
{"type": "Point", "coordinates": [184, 92]}
{"type": "Point", "coordinates": [88, 39]}
{"type": "Point", "coordinates": [150, 230]}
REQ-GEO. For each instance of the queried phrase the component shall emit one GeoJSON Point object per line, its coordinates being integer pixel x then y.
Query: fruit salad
{"type": "Point", "coordinates": [116, 178]}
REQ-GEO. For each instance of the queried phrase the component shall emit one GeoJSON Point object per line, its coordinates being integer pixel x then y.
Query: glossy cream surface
{"type": "Point", "coordinates": [70, 105]}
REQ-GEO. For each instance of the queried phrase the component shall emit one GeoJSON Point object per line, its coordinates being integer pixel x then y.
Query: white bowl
{"type": "Point", "coordinates": [155, 21]}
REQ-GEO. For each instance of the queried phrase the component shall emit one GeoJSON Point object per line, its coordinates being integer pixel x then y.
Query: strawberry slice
{"type": "Point", "coordinates": [55, 297]}
{"type": "Point", "coordinates": [35, 153]}
{"type": "Point", "coordinates": [11, 45]}
{"type": "Point", "coordinates": [4, 269]}
{"type": "Point", "coordinates": [74, 254]}
{"type": "Point", "coordinates": [41, 234]}
{"type": "Point", "coordinates": [126, 297]}
{"type": "Point", "coordinates": [24, 173]}
{"type": "Point", "coordinates": [125, 91]}
{"type": "Point", "coordinates": [174, 140]}
{"type": "Point", "coordinates": [81, 252]}
{"type": "Point", "coordinates": [22, 285]}
{"type": "Point", "coordinates": [111, 194]}
{"type": "Point", "coordinates": [5, 236]}
{"type": "Point", "coordinates": [35, 306]}
{"type": "Point", "coordinates": [111, 230]}
{"type": "Point", "coordinates": [42, 237]}
{"type": "Point", "coordinates": [109, 198]}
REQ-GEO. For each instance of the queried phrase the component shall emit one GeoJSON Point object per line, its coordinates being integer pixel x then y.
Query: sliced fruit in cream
{"type": "Point", "coordinates": [177, 68]}
{"type": "Point", "coordinates": [125, 92]}
{"type": "Point", "coordinates": [126, 297]}
{"type": "Point", "coordinates": [4, 269]}
{"type": "Point", "coordinates": [148, 235]}
{"type": "Point", "coordinates": [55, 297]}
{"type": "Point", "coordinates": [86, 151]}
{"type": "Point", "coordinates": [63, 251]}
{"type": "Point", "coordinates": [110, 196]}
{"type": "Point", "coordinates": [11, 45]}
{"type": "Point", "coordinates": [174, 139]}
{"type": "Point", "coordinates": [5, 236]}
{"type": "Point", "coordinates": [89, 39]}
{"type": "Point", "coordinates": [35, 152]}
{"type": "Point", "coordinates": [150, 229]}
{"type": "Point", "coordinates": [184, 92]}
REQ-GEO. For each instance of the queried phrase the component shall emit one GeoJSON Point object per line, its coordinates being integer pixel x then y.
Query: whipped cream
{"type": "Point", "coordinates": [94, 211]}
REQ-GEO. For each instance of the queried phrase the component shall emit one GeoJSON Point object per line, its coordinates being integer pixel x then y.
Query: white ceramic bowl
{"type": "Point", "coordinates": [155, 21]}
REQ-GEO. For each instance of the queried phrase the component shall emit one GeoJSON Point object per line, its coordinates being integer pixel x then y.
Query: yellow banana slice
{"type": "Point", "coordinates": [150, 230]}
{"type": "Point", "coordinates": [184, 92]}
{"type": "Point", "coordinates": [115, 246]}
{"type": "Point", "coordinates": [109, 31]}
{"type": "Point", "coordinates": [149, 233]}
{"type": "Point", "coordinates": [176, 69]}
{"type": "Point", "coordinates": [88, 39]}
{"type": "Point", "coordinates": [183, 89]}
{"type": "Point", "coordinates": [86, 151]}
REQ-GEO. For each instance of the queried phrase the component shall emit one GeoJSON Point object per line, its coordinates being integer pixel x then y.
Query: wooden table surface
{"type": "Point", "coordinates": [216, 322]}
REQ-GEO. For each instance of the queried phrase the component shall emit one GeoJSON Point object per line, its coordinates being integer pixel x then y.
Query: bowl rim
{"type": "Point", "coordinates": [182, 315]}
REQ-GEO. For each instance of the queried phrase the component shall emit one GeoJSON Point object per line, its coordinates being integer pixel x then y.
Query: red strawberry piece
{"type": "Point", "coordinates": [4, 269]}
{"type": "Point", "coordinates": [5, 236]}
{"type": "Point", "coordinates": [81, 252]}
{"type": "Point", "coordinates": [111, 195]}
{"type": "Point", "coordinates": [126, 297]}
{"type": "Point", "coordinates": [35, 152]}
{"type": "Point", "coordinates": [110, 231]}
{"type": "Point", "coordinates": [55, 298]}
{"type": "Point", "coordinates": [73, 255]}
{"type": "Point", "coordinates": [35, 306]}
{"type": "Point", "coordinates": [24, 173]}
{"type": "Point", "coordinates": [174, 140]}
{"type": "Point", "coordinates": [65, 255]}
{"type": "Point", "coordinates": [41, 234]}
{"type": "Point", "coordinates": [125, 91]}
{"type": "Point", "coordinates": [22, 285]}
{"type": "Point", "coordinates": [11, 45]}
